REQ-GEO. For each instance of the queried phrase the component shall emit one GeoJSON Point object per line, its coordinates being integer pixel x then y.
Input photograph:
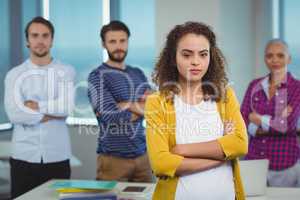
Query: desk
{"type": "Point", "coordinates": [273, 193]}
{"type": "Point", "coordinates": [276, 193]}
{"type": "Point", "coordinates": [44, 192]}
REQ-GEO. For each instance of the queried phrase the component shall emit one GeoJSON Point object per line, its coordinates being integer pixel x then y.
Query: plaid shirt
{"type": "Point", "coordinates": [280, 144]}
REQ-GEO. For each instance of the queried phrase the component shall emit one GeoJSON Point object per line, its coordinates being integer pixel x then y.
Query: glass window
{"type": "Point", "coordinates": [14, 15]}
{"type": "Point", "coordinates": [141, 22]}
{"type": "Point", "coordinates": [29, 10]}
{"type": "Point", "coordinates": [77, 42]}
{"type": "Point", "coordinates": [291, 31]}
{"type": "Point", "coordinates": [4, 53]}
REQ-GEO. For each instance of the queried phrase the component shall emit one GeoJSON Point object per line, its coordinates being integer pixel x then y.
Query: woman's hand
{"type": "Point", "coordinates": [255, 118]}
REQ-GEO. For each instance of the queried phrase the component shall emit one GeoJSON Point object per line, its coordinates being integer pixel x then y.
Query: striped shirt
{"type": "Point", "coordinates": [280, 144]}
{"type": "Point", "coordinates": [118, 136]}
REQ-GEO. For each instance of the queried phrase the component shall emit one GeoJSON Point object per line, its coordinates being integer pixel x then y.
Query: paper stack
{"type": "Point", "coordinates": [85, 190]}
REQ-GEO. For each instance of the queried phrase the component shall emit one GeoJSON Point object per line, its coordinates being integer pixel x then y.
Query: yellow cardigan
{"type": "Point", "coordinates": [160, 135]}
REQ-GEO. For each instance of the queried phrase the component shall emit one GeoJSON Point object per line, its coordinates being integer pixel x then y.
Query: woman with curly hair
{"type": "Point", "coordinates": [195, 131]}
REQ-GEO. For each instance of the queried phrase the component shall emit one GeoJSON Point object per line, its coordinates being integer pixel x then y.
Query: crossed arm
{"type": "Point", "coordinates": [169, 159]}
{"type": "Point", "coordinates": [201, 156]}
{"type": "Point", "coordinates": [107, 107]}
{"type": "Point", "coordinates": [137, 108]}
{"type": "Point", "coordinates": [33, 105]}
{"type": "Point", "coordinates": [22, 110]}
{"type": "Point", "coordinates": [266, 122]}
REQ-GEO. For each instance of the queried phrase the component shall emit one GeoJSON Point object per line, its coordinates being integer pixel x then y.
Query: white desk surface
{"type": "Point", "coordinates": [277, 193]}
{"type": "Point", "coordinates": [44, 192]}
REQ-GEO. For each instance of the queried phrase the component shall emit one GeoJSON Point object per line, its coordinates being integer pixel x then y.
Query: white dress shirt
{"type": "Point", "coordinates": [52, 87]}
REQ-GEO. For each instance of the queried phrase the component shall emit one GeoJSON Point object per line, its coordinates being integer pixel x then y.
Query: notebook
{"type": "Point", "coordinates": [84, 184]}
{"type": "Point", "coordinates": [85, 189]}
{"type": "Point", "coordinates": [88, 196]}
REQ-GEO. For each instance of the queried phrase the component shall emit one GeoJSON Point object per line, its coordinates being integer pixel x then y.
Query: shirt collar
{"type": "Point", "coordinates": [111, 67]}
{"type": "Point", "coordinates": [31, 65]}
{"type": "Point", "coordinates": [265, 81]}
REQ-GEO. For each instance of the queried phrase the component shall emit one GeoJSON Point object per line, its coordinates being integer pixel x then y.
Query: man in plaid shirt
{"type": "Point", "coordinates": [271, 108]}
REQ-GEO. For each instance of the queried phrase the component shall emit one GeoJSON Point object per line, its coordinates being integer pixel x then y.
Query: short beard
{"type": "Point", "coordinates": [41, 55]}
{"type": "Point", "coordinates": [117, 60]}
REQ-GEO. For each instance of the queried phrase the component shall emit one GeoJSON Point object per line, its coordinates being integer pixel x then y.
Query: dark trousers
{"type": "Point", "coordinates": [26, 176]}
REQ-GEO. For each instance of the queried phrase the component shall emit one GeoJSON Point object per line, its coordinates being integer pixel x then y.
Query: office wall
{"type": "Point", "coordinates": [242, 28]}
{"type": "Point", "coordinates": [4, 53]}
{"type": "Point", "coordinates": [236, 34]}
{"type": "Point", "coordinates": [172, 12]}
{"type": "Point", "coordinates": [263, 32]}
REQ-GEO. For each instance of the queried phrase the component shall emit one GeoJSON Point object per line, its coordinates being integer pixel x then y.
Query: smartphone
{"type": "Point", "coordinates": [134, 189]}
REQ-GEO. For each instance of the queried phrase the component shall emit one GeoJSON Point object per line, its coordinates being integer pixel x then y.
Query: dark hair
{"type": "Point", "coordinates": [114, 26]}
{"type": "Point", "coordinates": [166, 72]}
{"type": "Point", "coordinates": [40, 20]}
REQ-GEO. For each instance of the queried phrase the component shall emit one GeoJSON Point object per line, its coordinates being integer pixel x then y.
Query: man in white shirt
{"type": "Point", "coordinates": [39, 95]}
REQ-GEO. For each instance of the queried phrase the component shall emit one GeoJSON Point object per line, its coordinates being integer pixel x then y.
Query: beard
{"type": "Point", "coordinates": [40, 55]}
{"type": "Point", "coordinates": [118, 59]}
{"type": "Point", "coordinates": [39, 52]}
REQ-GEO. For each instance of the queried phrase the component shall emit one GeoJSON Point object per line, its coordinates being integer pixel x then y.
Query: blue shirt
{"type": "Point", "coordinates": [107, 86]}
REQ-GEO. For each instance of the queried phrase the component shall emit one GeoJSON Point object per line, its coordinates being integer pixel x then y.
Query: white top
{"type": "Point", "coordinates": [201, 123]}
{"type": "Point", "coordinates": [52, 86]}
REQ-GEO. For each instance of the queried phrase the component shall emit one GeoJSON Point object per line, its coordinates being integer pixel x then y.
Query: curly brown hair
{"type": "Point", "coordinates": [165, 72]}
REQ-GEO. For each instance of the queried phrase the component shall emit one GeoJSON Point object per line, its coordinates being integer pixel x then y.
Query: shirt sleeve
{"type": "Point", "coordinates": [14, 102]}
{"type": "Point", "coordinates": [298, 124]}
{"type": "Point", "coordinates": [283, 125]}
{"type": "Point", "coordinates": [265, 122]}
{"type": "Point", "coordinates": [163, 162]}
{"type": "Point", "coordinates": [63, 105]}
{"type": "Point", "coordinates": [144, 78]}
{"type": "Point", "coordinates": [144, 85]}
{"type": "Point", "coordinates": [236, 144]}
{"type": "Point", "coordinates": [252, 128]}
{"type": "Point", "coordinates": [103, 103]}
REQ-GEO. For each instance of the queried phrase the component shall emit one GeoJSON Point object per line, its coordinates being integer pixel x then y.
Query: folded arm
{"type": "Point", "coordinates": [283, 123]}
{"type": "Point", "coordinates": [104, 104]}
{"type": "Point", "coordinates": [158, 135]}
{"type": "Point", "coordinates": [63, 104]}
{"type": "Point", "coordinates": [193, 165]}
{"type": "Point", "coordinates": [35, 106]}
{"type": "Point", "coordinates": [16, 111]}
{"type": "Point", "coordinates": [229, 146]}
